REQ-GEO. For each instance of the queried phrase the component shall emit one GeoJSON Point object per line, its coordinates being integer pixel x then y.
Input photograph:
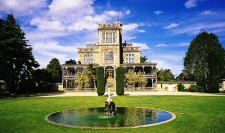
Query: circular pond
{"type": "Point", "coordinates": [125, 117]}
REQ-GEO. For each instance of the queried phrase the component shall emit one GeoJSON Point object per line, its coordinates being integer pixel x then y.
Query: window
{"type": "Point", "coordinates": [88, 59]}
{"type": "Point", "coordinates": [108, 38]}
{"type": "Point", "coordinates": [109, 56]}
{"type": "Point", "coordinates": [130, 58]}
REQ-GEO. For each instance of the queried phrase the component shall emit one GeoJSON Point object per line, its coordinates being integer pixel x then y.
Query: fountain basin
{"type": "Point", "coordinates": [126, 117]}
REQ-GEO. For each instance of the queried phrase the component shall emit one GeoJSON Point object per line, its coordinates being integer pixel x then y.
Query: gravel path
{"type": "Point", "coordinates": [134, 94]}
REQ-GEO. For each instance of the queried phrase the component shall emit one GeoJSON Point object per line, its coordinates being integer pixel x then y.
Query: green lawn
{"type": "Point", "coordinates": [194, 113]}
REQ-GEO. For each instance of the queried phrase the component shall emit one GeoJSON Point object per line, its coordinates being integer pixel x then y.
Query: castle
{"type": "Point", "coordinates": [110, 53]}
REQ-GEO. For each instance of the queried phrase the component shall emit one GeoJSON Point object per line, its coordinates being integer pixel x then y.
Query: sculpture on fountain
{"type": "Point", "coordinates": [110, 107]}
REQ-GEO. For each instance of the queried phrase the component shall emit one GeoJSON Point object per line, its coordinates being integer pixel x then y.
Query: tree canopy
{"type": "Point", "coordinates": [16, 60]}
{"type": "Point", "coordinates": [54, 68]}
{"type": "Point", "coordinates": [143, 59]}
{"type": "Point", "coordinates": [205, 60]}
{"type": "Point", "coordinates": [165, 75]}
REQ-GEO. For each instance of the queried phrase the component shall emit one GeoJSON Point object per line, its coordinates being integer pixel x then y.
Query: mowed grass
{"type": "Point", "coordinates": [194, 113]}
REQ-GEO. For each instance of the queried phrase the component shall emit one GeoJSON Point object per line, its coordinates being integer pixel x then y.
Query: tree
{"type": "Point", "coordinates": [84, 79]}
{"type": "Point", "coordinates": [93, 73]}
{"type": "Point", "coordinates": [143, 81]}
{"type": "Point", "coordinates": [205, 60]}
{"type": "Point", "coordinates": [70, 62]}
{"type": "Point", "coordinates": [130, 78]}
{"type": "Point", "coordinates": [180, 87]}
{"type": "Point", "coordinates": [100, 81]}
{"type": "Point", "coordinates": [133, 79]}
{"type": "Point", "coordinates": [80, 80]}
{"type": "Point", "coordinates": [54, 68]}
{"type": "Point", "coordinates": [184, 77]}
{"type": "Point", "coordinates": [143, 59]}
{"type": "Point", "coordinates": [165, 75]}
{"type": "Point", "coordinates": [16, 60]}
{"type": "Point", "coordinates": [119, 80]}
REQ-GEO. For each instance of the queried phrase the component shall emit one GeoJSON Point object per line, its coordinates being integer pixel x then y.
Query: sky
{"type": "Point", "coordinates": [162, 28]}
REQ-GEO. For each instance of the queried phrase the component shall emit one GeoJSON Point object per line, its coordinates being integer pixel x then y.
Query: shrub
{"type": "Point", "coordinates": [119, 80]}
{"type": "Point", "coordinates": [180, 87]}
{"type": "Point", "coordinates": [196, 88]}
{"type": "Point", "coordinates": [100, 81]}
{"type": "Point", "coordinates": [214, 86]}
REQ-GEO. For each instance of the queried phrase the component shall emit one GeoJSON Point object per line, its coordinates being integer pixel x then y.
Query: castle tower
{"type": "Point", "coordinates": [110, 43]}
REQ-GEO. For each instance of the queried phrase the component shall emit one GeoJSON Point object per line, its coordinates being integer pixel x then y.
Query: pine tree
{"type": "Point", "coordinates": [205, 60]}
{"type": "Point", "coordinates": [16, 60]}
{"type": "Point", "coordinates": [54, 68]}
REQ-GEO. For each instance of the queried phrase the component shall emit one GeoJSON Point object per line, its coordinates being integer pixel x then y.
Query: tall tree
{"type": "Point", "coordinates": [16, 60]}
{"type": "Point", "coordinates": [205, 60]}
{"type": "Point", "coordinates": [143, 59]}
{"type": "Point", "coordinates": [54, 68]}
{"type": "Point", "coordinates": [100, 81]}
{"type": "Point", "coordinates": [119, 80]}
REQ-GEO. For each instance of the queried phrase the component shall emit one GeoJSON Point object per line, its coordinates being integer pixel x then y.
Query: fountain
{"type": "Point", "coordinates": [110, 117]}
{"type": "Point", "coordinates": [110, 107]}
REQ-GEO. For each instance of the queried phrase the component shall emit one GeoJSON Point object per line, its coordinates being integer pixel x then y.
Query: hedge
{"type": "Point", "coordinates": [100, 81]}
{"type": "Point", "coordinates": [119, 80]}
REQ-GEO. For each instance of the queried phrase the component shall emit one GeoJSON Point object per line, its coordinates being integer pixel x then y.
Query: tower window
{"type": "Point", "coordinates": [108, 38]}
{"type": "Point", "coordinates": [130, 58]}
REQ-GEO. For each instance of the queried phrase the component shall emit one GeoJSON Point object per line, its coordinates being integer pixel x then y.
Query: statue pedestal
{"type": "Point", "coordinates": [110, 107]}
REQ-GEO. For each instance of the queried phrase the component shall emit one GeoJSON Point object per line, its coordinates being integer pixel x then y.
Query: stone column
{"type": "Point", "coordinates": [134, 69]}
{"type": "Point", "coordinates": [105, 37]}
{"type": "Point", "coordinates": [62, 84]}
{"type": "Point", "coordinates": [143, 72]}
{"type": "Point", "coordinates": [66, 71]}
{"type": "Point", "coordinates": [152, 83]}
{"type": "Point", "coordinates": [151, 73]}
{"type": "Point", "coordinates": [75, 70]}
{"type": "Point", "coordinates": [66, 84]}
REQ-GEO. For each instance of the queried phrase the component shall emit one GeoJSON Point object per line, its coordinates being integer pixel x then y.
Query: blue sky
{"type": "Point", "coordinates": [163, 28]}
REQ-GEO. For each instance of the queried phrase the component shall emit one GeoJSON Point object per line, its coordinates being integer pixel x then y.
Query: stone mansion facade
{"type": "Point", "coordinates": [110, 53]}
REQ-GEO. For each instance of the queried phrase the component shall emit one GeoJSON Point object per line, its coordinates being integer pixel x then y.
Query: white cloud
{"type": "Point", "coordinates": [190, 3]}
{"type": "Point", "coordinates": [158, 12]}
{"type": "Point", "coordinates": [172, 60]}
{"type": "Point", "coordinates": [161, 45]}
{"type": "Point", "coordinates": [70, 8]}
{"type": "Point", "coordinates": [172, 25]}
{"type": "Point", "coordinates": [195, 29]}
{"type": "Point", "coordinates": [141, 31]}
{"type": "Point", "coordinates": [207, 12]}
{"type": "Point", "coordinates": [21, 6]}
{"type": "Point", "coordinates": [127, 37]}
{"type": "Point", "coordinates": [142, 45]}
{"type": "Point", "coordinates": [131, 26]}
{"type": "Point", "coordinates": [37, 35]}
{"type": "Point", "coordinates": [165, 64]}
{"type": "Point", "coordinates": [182, 44]}
{"type": "Point", "coordinates": [46, 50]}
{"type": "Point", "coordinates": [53, 46]}
{"type": "Point", "coordinates": [127, 12]}
{"type": "Point", "coordinates": [47, 25]}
